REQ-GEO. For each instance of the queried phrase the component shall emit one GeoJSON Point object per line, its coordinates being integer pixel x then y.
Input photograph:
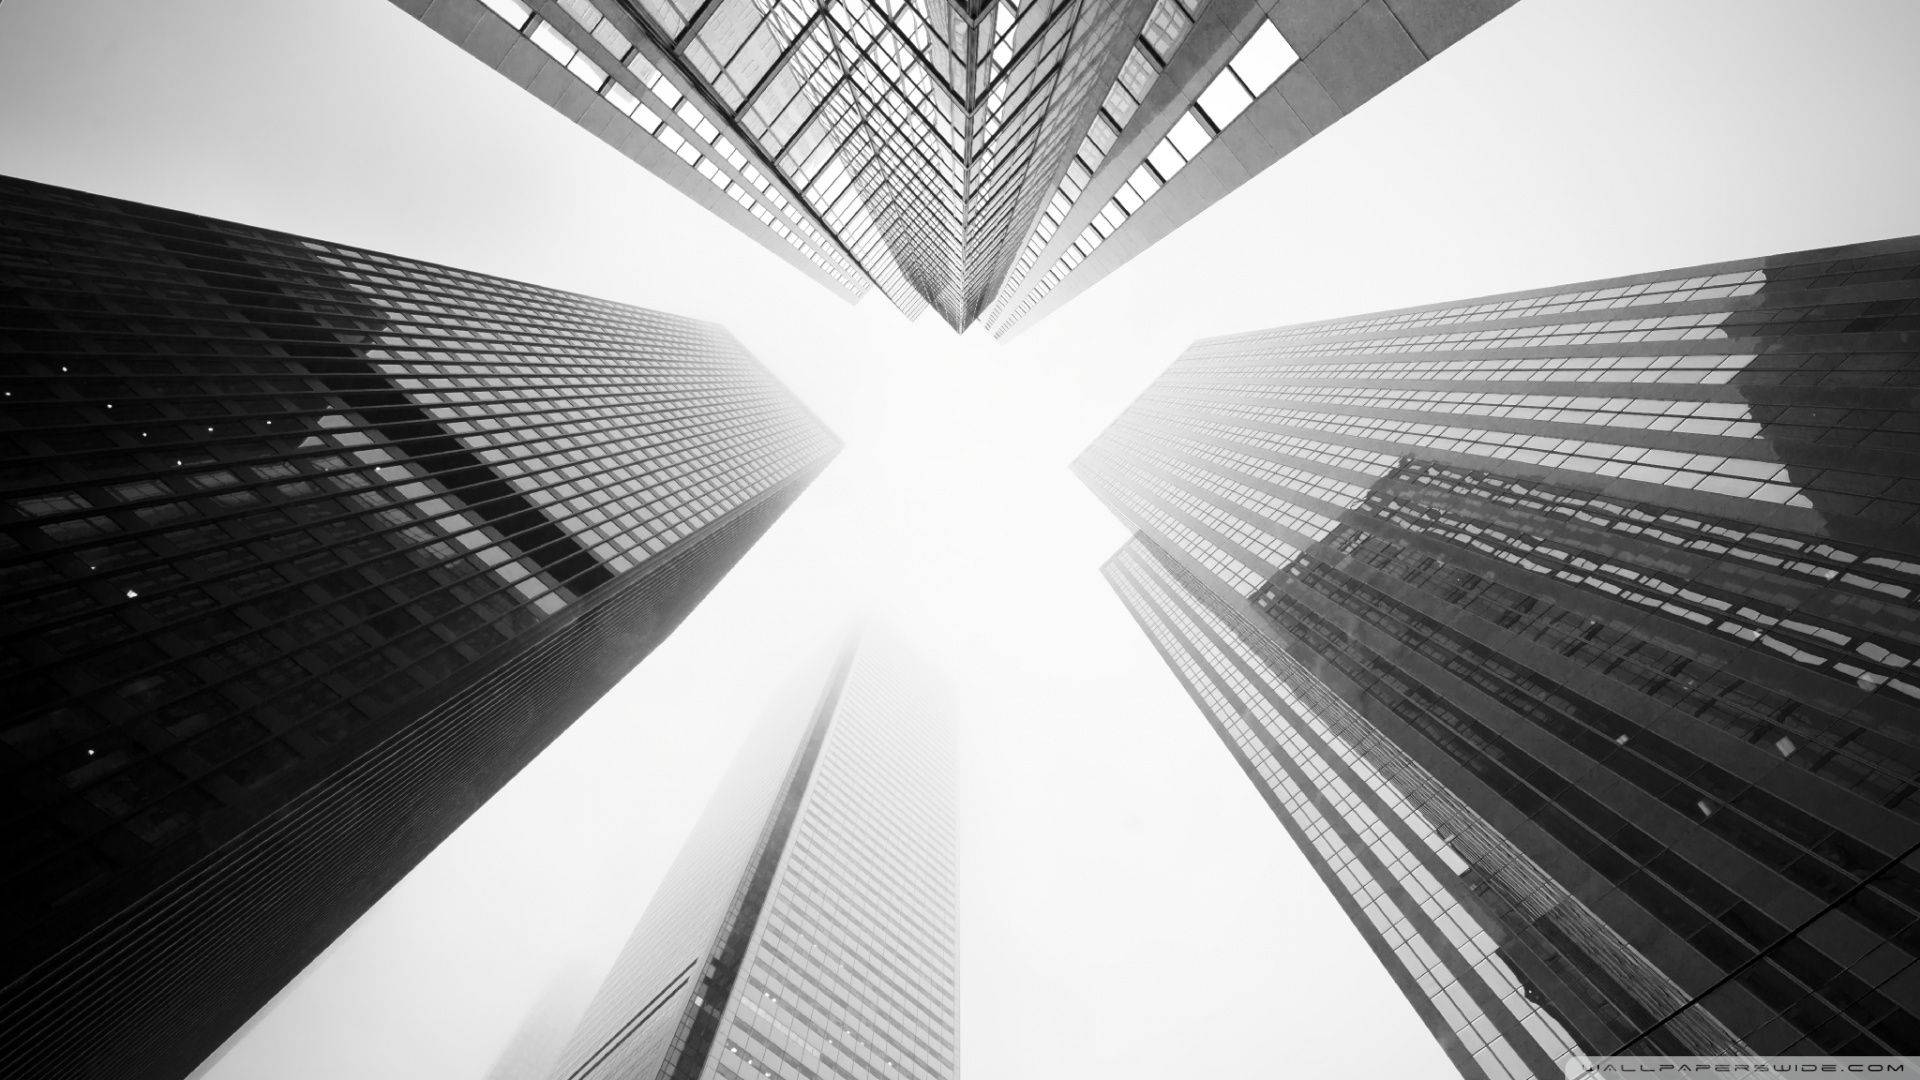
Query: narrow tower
{"type": "Point", "coordinates": [807, 928]}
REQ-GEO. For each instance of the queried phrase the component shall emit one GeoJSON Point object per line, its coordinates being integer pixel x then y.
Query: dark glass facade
{"type": "Point", "coordinates": [964, 154]}
{"type": "Point", "coordinates": [1497, 959]}
{"type": "Point", "coordinates": [807, 929]}
{"type": "Point", "coordinates": [306, 550]}
{"type": "Point", "coordinates": [1627, 568]}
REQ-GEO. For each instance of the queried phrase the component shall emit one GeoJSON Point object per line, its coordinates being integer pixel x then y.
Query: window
{"type": "Point", "coordinates": [553, 42]}
{"type": "Point", "coordinates": [614, 41]}
{"type": "Point", "coordinates": [582, 11]}
{"type": "Point", "coordinates": [1143, 182]}
{"type": "Point", "coordinates": [644, 68]}
{"type": "Point", "coordinates": [586, 70]}
{"type": "Point", "coordinates": [1224, 99]}
{"type": "Point", "coordinates": [1188, 137]}
{"type": "Point", "coordinates": [1166, 160]}
{"type": "Point", "coordinates": [1264, 58]}
{"type": "Point", "coordinates": [43, 505]}
{"type": "Point", "coordinates": [621, 98]}
{"type": "Point", "coordinates": [1166, 26]}
{"type": "Point", "coordinates": [1120, 104]}
{"type": "Point", "coordinates": [1102, 134]}
{"type": "Point", "coordinates": [514, 11]}
{"type": "Point", "coordinates": [1138, 74]}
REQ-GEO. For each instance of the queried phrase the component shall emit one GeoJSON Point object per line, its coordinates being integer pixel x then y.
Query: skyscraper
{"type": "Point", "coordinates": [967, 154]}
{"type": "Point", "coordinates": [306, 550]}
{"type": "Point", "coordinates": [807, 928]}
{"type": "Point", "coordinates": [1594, 608]}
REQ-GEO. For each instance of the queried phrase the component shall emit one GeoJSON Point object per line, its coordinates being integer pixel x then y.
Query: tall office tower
{"type": "Point", "coordinates": [1588, 612]}
{"type": "Point", "coordinates": [806, 930]}
{"type": "Point", "coordinates": [967, 154]}
{"type": "Point", "coordinates": [306, 550]}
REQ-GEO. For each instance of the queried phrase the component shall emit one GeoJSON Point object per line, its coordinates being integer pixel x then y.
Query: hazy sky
{"type": "Point", "coordinates": [1130, 910]}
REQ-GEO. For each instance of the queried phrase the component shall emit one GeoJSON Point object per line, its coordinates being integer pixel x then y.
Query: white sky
{"type": "Point", "coordinates": [1130, 910]}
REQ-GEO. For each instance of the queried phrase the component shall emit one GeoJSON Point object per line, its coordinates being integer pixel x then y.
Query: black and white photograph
{"type": "Point", "coordinates": [959, 539]}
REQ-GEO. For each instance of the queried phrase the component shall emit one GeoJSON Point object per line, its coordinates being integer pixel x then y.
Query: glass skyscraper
{"type": "Point", "coordinates": [806, 930]}
{"type": "Point", "coordinates": [306, 550]}
{"type": "Point", "coordinates": [971, 155]}
{"type": "Point", "coordinates": [1572, 634]}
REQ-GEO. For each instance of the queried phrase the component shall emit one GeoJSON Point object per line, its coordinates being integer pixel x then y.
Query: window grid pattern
{"type": "Point", "coordinates": [1745, 477]}
{"type": "Point", "coordinates": [1635, 564]}
{"type": "Point", "coordinates": [1613, 988]}
{"type": "Point", "coordinates": [1707, 370]}
{"type": "Point", "coordinates": [1724, 445]}
{"type": "Point", "coordinates": [1673, 290]}
{"type": "Point", "coordinates": [851, 968]}
{"type": "Point", "coordinates": [591, 48]}
{"type": "Point", "coordinates": [1252, 70]}
{"type": "Point", "coordinates": [265, 493]}
{"type": "Point", "coordinates": [1210, 535]}
{"type": "Point", "coordinates": [1870, 658]}
{"type": "Point", "coordinates": [1815, 733]}
{"type": "Point", "coordinates": [1444, 948]}
{"type": "Point", "coordinates": [1167, 24]}
{"type": "Point", "coordinates": [1819, 998]}
{"type": "Point", "coordinates": [1022, 166]}
{"type": "Point", "coordinates": [1621, 990]}
{"type": "Point", "coordinates": [917, 136]}
{"type": "Point", "coordinates": [656, 1011]}
{"type": "Point", "coordinates": [844, 108]}
{"type": "Point", "coordinates": [930, 148]}
{"type": "Point", "coordinates": [1733, 294]}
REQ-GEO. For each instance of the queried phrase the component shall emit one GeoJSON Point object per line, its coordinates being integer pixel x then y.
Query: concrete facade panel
{"type": "Point", "coordinates": [1369, 52]}
{"type": "Point", "coordinates": [1436, 24]}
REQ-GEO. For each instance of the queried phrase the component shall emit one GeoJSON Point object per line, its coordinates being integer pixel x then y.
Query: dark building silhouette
{"type": "Point", "coordinates": [1609, 590]}
{"type": "Point", "coordinates": [962, 154]}
{"type": "Point", "coordinates": [807, 928]}
{"type": "Point", "coordinates": [305, 551]}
